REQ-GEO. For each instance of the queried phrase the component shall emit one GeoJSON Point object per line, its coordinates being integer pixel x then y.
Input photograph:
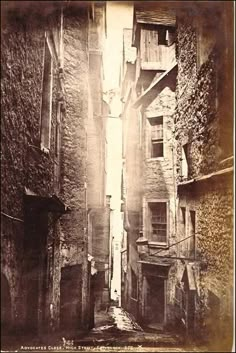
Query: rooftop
{"type": "Point", "coordinates": [155, 15]}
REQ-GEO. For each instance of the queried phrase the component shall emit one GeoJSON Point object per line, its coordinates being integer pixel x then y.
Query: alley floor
{"type": "Point", "coordinates": [114, 330]}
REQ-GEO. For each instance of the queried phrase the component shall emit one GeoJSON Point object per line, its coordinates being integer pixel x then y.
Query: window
{"type": "Point", "coordinates": [46, 106]}
{"type": "Point", "coordinates": [58, 130]}
{"type": "Point", "coordinates": [159, 221]}
{"type": "Point", "coordinates": [134, 284]}
{"type": "Point", "coordinates": [184, 162]}
{"type": "Point", "coordinates": [57, 146]}
{"type": "Point", "coordinates": [170, 36]}
{"type": "Point", "coordinates": [183, 216]}
{"type": "Point", "coordinates": [166, 36]}
{"type": "Point", "coordinates": [192, 231]}
{"type": "Point", "coordinates": [162, 36]}
{"type": "Point", "coordinates": [157, 149]}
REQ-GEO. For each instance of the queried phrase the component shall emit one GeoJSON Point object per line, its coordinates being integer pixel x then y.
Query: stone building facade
{"type": "Point", "coordinates": [98, 202]}
{"type": "Point", "coordinates": [203, 133]}
{"type": "Point", "coordinates": [130, 177]}
{"type": "Point", "coordinates": [30, 167]}
{"type": "Point", "coordinates": [44, 149]}
{"type": "Point", "coordinates": [149, 172]}
{"type": "Point", "coordinates": [192, 99]}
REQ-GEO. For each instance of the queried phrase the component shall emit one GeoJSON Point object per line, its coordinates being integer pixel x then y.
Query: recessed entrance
{"type": "Point", "coordinates": [155, 302]}
{"type": "Point", "coordinates": [70, 297]}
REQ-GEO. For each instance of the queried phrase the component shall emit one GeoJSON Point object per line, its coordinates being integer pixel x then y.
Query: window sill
{"type": "Point", "coordinates": [154, 244]}
{"type": "Point", "coordinates": [155, 159]}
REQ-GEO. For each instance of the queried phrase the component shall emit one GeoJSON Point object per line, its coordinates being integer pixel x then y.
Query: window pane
{"type": "Point", "coordinates": [162, 36]}
{"type": "Point", "coordinates": [157, 132]}
{"type": "Point", "coordinates": [134, 289]}
{"type": "Point", "coordinates": [157, 149]}
{"type": "Point", "coordinates": [159, 221]}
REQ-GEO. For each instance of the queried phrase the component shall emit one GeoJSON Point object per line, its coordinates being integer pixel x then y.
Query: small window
{"type": "Point", "coordinates": [192, 231]}
{"type": "Point", "coordinates": [134, 283]}
{"type": "Point", "coordinates": [170, 36]}
{"type": "Point", "coordinates": [157, 148]}
{"type": "Point", "coordinates": [166, 35]}
{"type": "Point", "coordinates": [58, 130]}
{"type": "Point", "coordinates": [162, 36]}
{"type": "Point", "coordinates": [46, 106]}
{"type": "Point", "coordinates": [183, 216]}
{"type": "Point", "coordinates": [159, 221]}
{"type": "Point", "coordinates": [184, 162]}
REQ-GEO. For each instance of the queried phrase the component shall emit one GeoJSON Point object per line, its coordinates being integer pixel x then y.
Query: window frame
{"type": "Point", "coordinates": [184, 164]}
{"type": "Point", "coordinates": [183, 212]}
{"type": "Point", "coordinates": [188, 247]}
{"type": "Point", "coordinates": [192, 231]}
{"type": "Point", "coordinates": [166, 35]}
{"type": "Point", "coordinates": [58, 129]}
{"type": "Point", "coordinates": [46, 102]}
{"type": "Point", "coordinates": [148, 226]}
{"type": "Point", "coordinates": [152, 141]}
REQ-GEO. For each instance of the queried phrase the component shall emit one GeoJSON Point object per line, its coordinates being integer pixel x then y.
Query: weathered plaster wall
{"type": "Point", "coordinates": [96, 129]}
{"type": "Point", "coordinates": [132, 191]}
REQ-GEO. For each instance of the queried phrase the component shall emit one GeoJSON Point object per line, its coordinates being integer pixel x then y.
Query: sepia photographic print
{"type": "Point", "coordinates": [117, 198]}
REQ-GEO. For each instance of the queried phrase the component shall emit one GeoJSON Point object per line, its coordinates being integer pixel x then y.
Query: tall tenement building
{"type": "Point", "coordinates": [53, 129]}
{"type": "Point", "coordinates": [177, 249]}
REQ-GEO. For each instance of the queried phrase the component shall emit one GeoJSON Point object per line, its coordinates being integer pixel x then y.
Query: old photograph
{"type": "Point", "coordinates": [117, 165]}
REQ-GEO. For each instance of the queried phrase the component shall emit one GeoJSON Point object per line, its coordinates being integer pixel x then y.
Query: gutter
{"type": "Point", "coordinates": [207, 176]}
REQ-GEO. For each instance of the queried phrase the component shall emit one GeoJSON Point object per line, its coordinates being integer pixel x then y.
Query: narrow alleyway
{"type": "Point", "coordinates": [116, 329]}
{"type": "Point", "coordinates": [117, 169]}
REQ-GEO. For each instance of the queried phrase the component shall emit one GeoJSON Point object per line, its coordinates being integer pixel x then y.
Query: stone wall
{"type": "Point", "coordinates": [74, 142]}
{"type": "Point", "coordinates": [96, 129]}
{"type": "Point", "coordinates": [132, 190]}
{"type": "Point", "coordinates": [212, 200]}
{"type": "Point", "coordinates": [199, 124]}
{"type": "Point", "coordinates": [198, 118]}
{"type": "Point", "coordinates": [159, 173]}
{"type": "Point", "coordinates": [23, 163]}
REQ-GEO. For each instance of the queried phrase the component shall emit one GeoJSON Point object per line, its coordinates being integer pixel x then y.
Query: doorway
{"type": "Point", "coordinates": [155, 302]}
{"type": "Point", "coordinates": [71, 297]}
{"type": "Point", "coordinates": [35, 269]}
